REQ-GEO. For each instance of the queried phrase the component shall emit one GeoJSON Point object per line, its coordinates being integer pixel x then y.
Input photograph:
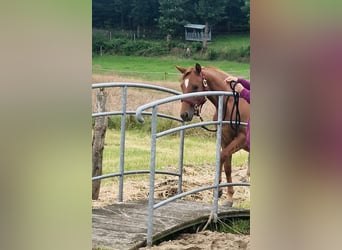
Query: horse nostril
{"type": "Point", "coordinates": [184, 116]}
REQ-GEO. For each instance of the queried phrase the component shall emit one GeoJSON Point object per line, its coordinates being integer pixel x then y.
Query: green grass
{"type": "Point", "coordinates": [233, 225]}
{"type": "Point", "coordinates": [159, 68]}
{"type": "Point", "coordinates": [137, 151]}
{"type": "Point", "coordinates": [230, 42]}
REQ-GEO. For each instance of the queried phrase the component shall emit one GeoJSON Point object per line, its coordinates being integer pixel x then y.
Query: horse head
{"type": "Point", "coordinates": [192, 81]}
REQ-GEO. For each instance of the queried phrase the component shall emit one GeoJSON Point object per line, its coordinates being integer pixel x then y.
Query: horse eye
{"type": "Point", "coordinates": [195, 87]}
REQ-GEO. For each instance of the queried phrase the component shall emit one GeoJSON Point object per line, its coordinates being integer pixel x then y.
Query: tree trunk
{"type": "Point", "coordinates": [138, 31]}
{"type": "Point", "coordinates": [205, 38]}
{"type": "Point", "coordinates": [168, 42]}
{"type": "Point", "coordinates": [99, 135]}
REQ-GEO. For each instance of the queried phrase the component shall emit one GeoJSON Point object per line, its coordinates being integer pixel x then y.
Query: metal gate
{"type": "Point", "coordinates": [140, 112]}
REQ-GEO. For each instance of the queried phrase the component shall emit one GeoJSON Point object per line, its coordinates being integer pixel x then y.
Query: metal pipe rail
{"type": "Point", "coordinates": [130, 112]}
{"type": "Point", "coordinates": [155, 135]}
{"type": "Point", "coordinates": [195, 125]}
{"type": "Point", "coordinates": [123, 114]}
{"type": "Point", "coordinates": [134, 85]}
{"type": "Point", "coordinates": [105, 176]}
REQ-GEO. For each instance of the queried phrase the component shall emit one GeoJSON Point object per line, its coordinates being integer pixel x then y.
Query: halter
{"type": "Point", "coordinates": [201, 100]}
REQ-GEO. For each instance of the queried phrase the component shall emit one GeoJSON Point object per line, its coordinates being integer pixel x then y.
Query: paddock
{"type": "Point", "coordinates": [130, 225]}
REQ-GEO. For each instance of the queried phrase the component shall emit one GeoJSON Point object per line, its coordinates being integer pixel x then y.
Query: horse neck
{"type": "Point", "coordinates": [215, 82]}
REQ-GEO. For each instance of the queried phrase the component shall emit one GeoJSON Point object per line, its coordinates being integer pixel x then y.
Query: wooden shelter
{"type": "Point", "coordinates": [195, 32]}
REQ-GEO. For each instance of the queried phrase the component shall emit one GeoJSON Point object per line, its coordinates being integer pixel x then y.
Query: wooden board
{"type": "Point", "coordinates": [123, 226]}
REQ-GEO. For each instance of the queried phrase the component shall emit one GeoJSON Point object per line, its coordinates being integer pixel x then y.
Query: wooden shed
{"type": "Point", "coordinates": [195, 32]}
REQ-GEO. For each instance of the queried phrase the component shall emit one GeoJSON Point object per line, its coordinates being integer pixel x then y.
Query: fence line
{"type": "Point", "coordinates": [163, 75]}
{"type": "Point", "coordinates": [154, 136]}
{"type": "Point", "coordinates": [123, 113]}
{"type": "Point", "coordinates": [155, 72]}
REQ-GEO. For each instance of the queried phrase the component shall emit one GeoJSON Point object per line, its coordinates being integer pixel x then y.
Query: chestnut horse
{"type": "Point", "coordinates": [211, 79]}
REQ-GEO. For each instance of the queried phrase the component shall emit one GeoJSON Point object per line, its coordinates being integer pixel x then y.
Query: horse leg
{"type": "Point", "coordinates": [230, 189]}
{"type": "Point", "coordinates": [220, 180]}
{"type": "Point", "coordinates": [226, 158]}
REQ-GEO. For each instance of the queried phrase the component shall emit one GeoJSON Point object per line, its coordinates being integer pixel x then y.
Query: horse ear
{"type": "Point", "coordinates": [181, 69]}
{"type": "Point", "coordinates": [198, 68]}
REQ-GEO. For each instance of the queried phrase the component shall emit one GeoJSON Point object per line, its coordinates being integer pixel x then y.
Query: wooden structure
{"type": "Point", "coordinates": [195, 32]}
{"type": "Point", "coordinates": [123, 226]}
{"type": "Point", "coordinates": [99, 136]}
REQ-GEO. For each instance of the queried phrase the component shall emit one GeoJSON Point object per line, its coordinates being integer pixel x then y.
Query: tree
{"type": "Point", "coordinates": [237, 15]}
{"type": "Point", "coordinates": [143, 13]}
{"type": "Point", "coordinates": [121, 13]}
{"type": "Point", "coordinates": [171, 20]}
{"type": "Point", "coordinates": [102, 13]}
{"type": "Point", "coordinates": [246, 9]}
{"type": "Point", "coordinates": [209, 11]}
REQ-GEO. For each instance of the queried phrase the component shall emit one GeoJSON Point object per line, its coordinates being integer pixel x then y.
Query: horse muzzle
{"type": "Point", "coordinates": [191, 108]}
{"type": "Point", "coordinates": [187, 115]}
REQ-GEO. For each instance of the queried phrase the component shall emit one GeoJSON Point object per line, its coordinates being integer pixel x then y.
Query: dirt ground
{"type": "Point", "coordinates": [165, 187]}
{"type": "Point", "coordinates": [193, 177]}
{"type": "Point", "coordinates": [204, 241]}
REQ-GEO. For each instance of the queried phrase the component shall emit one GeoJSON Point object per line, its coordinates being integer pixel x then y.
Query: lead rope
{"type": "Point", "coordinates": [235, 106]}
{"type": "Point", "coordinates": [208, 129]}
{"type": "Point", "coordinates": [225, 112]}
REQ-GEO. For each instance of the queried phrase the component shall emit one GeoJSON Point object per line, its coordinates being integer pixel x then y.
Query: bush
{"type": "Point", "coordinates": [196, 46]}
{"type": "Point", "coordinates": [212, 54]}
{"type": "Point", "coordinates": [114, 122]}
{"type": "Point", "coordinates": [124, 45]}
{"type": "Point", "coordinates": [241, 55]}
{"type": "Point", "coordinates": [128, 47]}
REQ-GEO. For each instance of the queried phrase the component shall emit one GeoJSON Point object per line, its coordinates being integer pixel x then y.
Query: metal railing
{"type": "Point", "coordinates": [154, 135]}
{"type": "Point", "coordinates": [140, 112]}
{"type": "Point", "coordinates": [123, 113]}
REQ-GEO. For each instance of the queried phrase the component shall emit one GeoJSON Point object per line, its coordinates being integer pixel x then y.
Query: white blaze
{"type": "Point", "coordinates": [186, 83]}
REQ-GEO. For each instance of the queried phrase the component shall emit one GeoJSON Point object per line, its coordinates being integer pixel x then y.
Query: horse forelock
{"type": "Point", "coordinates": [185, 75]}
{"type": "Point", "coordinates": [188, 72]}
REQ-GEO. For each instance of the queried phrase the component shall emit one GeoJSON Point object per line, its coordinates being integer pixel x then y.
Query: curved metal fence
{"type": "Point", "coordinates": [154, 135]}
{"type": "Point", "coordinates": [140, 112]}
{"type": "Point", "coordinates": [123, 113]}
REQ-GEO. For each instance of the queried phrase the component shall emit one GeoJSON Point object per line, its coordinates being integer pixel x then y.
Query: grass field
{"type": "Point", "coordinates": [137, 151]}
{"type": "Point", "coordinates": [158, 69]}
{"type": "Point", "coordinates": [230, 42]}
{"type": "Point", "coordinates": [163, 68]}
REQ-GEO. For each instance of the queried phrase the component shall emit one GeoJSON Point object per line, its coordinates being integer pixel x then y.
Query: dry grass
{"type": "Point", "coordinates": [137, 97]}
{"type": "Point", "coordinates": [166, 186]}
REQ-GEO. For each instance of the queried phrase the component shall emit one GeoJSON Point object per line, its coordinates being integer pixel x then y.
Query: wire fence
{"type": "Point", "coordinates": [157, 76]}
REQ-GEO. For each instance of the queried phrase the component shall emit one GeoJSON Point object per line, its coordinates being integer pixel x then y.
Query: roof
{"type": "Point", "coordinates": [194, 26]}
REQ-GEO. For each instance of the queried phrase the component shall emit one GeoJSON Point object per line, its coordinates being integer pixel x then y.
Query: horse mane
{"type": "Point", "coordinates": [225, 74]}
{"type": "Point", "coordinates": [217, 70]}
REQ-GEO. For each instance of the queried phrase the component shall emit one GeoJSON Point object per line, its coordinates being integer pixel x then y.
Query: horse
{"type": "Point", "coordinates": [212, 79]}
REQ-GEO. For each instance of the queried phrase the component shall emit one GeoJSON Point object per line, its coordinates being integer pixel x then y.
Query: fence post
{"type": "Point", "coordinates": [99, 136]}
{"type": "Point", "coordinates": [122, 142]}
{"type": "Point", "coordinates": [152, 176]}
{"type": "Point", "coordinates": [218, 160]}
